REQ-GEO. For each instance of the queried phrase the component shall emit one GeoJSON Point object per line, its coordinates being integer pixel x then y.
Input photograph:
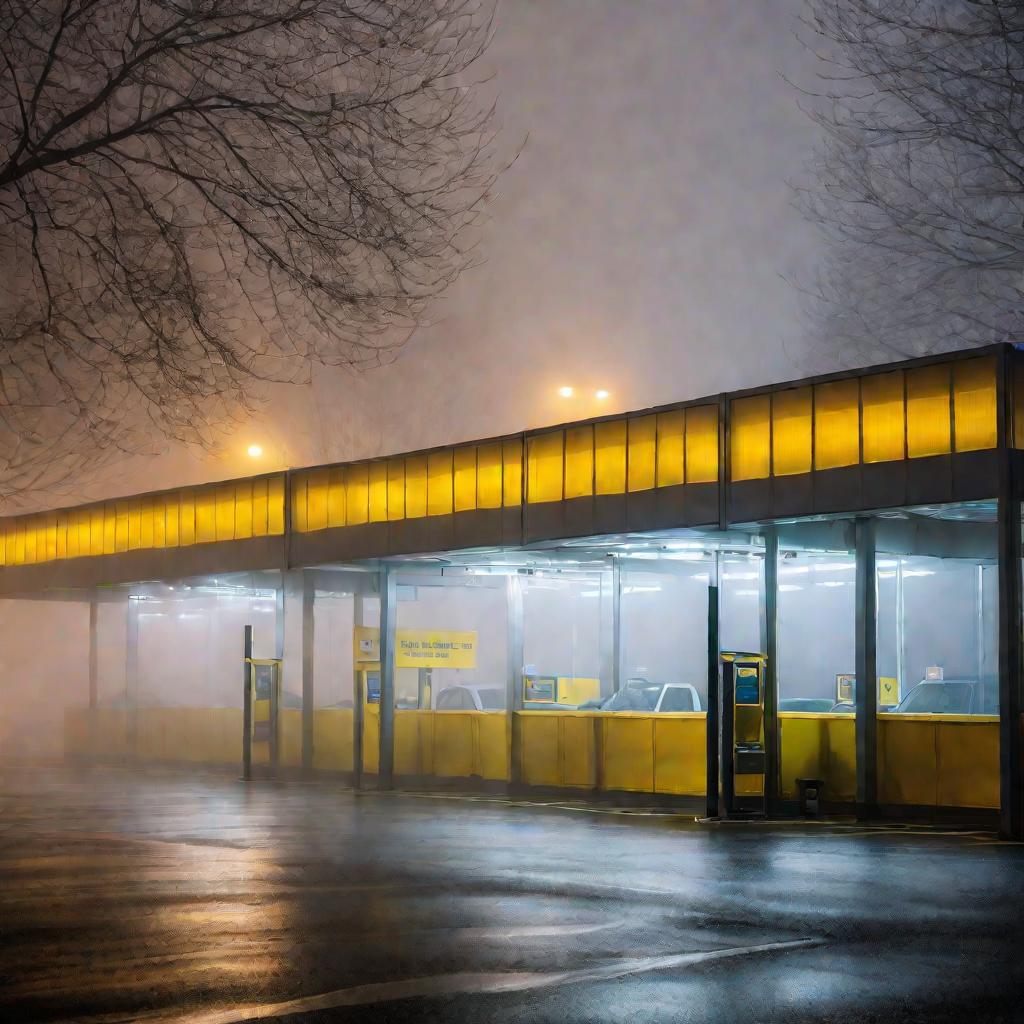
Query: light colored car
{"type": "Point", "coordinates": [641, 695]}
{"type": "Point", "coordinates": [470, 697]}
{"type": "Point", "coordinates": [943, 697]}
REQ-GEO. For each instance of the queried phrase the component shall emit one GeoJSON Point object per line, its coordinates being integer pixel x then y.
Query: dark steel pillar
{"type": "Point", "coordinates": [388, 610]}
{"type": "Point", "coordinates": [131, 675]}
{"type": "Point", "coordinates": [714, 704]}
{"type": "Point", "coordinates": [1011, 791]}
{"type": "Point", "coordinates": [358, 698]}
{"type": "Point", "coordinates": [308, 598]}
{"type": "Point", "coordinates": [247, 705]}
{"type": "Point", "coordinates": [866, 686]}
{"type": "Point", "coordinates": [772, 739]}
{"type": "Point", "coordinates": [514, 673]}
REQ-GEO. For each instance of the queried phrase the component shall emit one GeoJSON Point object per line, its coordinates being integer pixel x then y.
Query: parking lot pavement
{"type": "Point", "coordinates": [171, 897]}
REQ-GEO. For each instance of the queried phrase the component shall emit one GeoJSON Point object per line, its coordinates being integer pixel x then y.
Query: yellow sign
{"type": "Point", "coordinates": [888, 694]}
{"type": "Point", "coordinates": [434, 648]}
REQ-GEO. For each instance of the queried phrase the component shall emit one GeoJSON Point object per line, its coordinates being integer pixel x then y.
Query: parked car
{"type": "Point", "coordinates": [943, 697]}
{"type": "Point", "coordinates": [641, 695]}
{"type": "Point", "coordinates": [843, 707]}
{"type": "Point", "coordinates": [470, 697]}
{"type": "Point", "coordinates": [810, 704]}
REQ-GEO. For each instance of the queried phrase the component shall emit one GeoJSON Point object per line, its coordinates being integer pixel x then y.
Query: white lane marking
{"type": "Point", "coordinates": [463, 984]}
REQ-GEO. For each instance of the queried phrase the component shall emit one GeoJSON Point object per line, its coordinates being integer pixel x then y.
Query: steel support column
{"type": "Point", "coordinates": [247, 704]}
{"type": "Point", "coordinates": [131, 674]}
{"type": "Point", "coordinates": [866, 686]}
{"type": "Point", "coordinates": [1011, 789]}
{"type": "Point", "coordinates": [308, 695]}
{"type": "Point", "coordinates": [388, 614]}
{"type": "Point", "coordinates": [358, 696]}
{"type": "Point", "coordinates": [714, 703]}
{"type": "Point", "coordinates": [514, 673]}
{"type": "Point", "coordinates": [770, 627]}
{"type": "Point", "coordinates": [616, 625]}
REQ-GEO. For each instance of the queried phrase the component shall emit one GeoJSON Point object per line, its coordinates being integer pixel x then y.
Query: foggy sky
{"type": "Point", "coordinates": [639, 243]}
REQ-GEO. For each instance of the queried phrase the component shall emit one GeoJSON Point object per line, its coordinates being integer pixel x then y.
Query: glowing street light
{"type": "Point", "coordinates": [255, 451]}
{"type": "Point", "coordinates": [565, 392]}
{"type": "Point", "coordinates": [602, 394]}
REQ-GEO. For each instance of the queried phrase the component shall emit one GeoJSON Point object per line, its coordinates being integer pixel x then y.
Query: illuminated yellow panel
{"type": "Point", "coordinates": [881, 397]}
{"type": "Point", "coordinates": [62, 537]}
{"type": "Point", "coordinates": [643, 441]}
{"type": "Point", "coordinates": [206, 516]}
{"type": "Point", "coordinates": [51, 536]}
{"type": "Point", "coordinates": [416, 486]}
{"type": "Point", "coordinates": [396, 488]}
{"type": "Point", "coordinates": [259, 509]}
{"type": "Point", "coordinates": [610, 457]}
{"type": "Point", "coordinates": [187, 518]}
{"type": "Point", "coordinates": [134, 524]}
{"type": "Point", "coordinates": [120, 526]}
{"type": "Point", "coordinates": [146, 527]}
{"type": "Point", "coordinates": [512, 472]}
{"type": "Point", "coordinates": [91, 538]}
{"type": "Point", "coordinates": [159, 521]}
{"type": "Point", "coordinates": [544, 455]}
{"type": "Point", "coordinates": [836, 424]}
{"type": "Point", "coordinates": [357, 494]}
{"type": "Point", "coordinates": [974, 404]}
{"type": "Point", "coordinates": [275, 505]}
{"type": "Point", "coordinates": [702, 444]}
{"type": "Point", "coordinates": [109, 527]}
{"type": "Point", "coordinates": [224, 511]}
{"type": "Point", "coordinates": [751, 430]}
{"type": "Point", "coordinates": [439, 483]}
{"type": "Point", "coordinates": [378, 492]}
{"type": "Point", "coordinates": [791, 432]}
{"type": "Point", "coordinates": [488, 476]}
{"type": "Point", "coordinates": [579, 462]}
{"type": "Point", "coordinates": [19, 542]}
{"type": "Point", "coordinates": [30, 541]}
{"type": "Point", "coordinates": [465, 479]}
{"type": "Point", "coordinates": [73, 545]}
{"type": "Point", "coordinates": [671, 447]}
{"type": "Point", "coordinates": [243, 510]}
{"type": "Point", "coordinates": [316, 499]}
{"type": "Point", "coordinates": [928, 411]}
{"type": "Point", "coordinates": [336, 496]}
{"type": "Point", "coordinates": [300, 502]}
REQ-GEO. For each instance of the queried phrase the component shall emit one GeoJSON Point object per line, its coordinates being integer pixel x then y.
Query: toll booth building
{"type": "Point", "coordinates": [804, 596]}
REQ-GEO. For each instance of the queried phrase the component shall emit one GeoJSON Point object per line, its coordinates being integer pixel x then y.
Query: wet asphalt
{"type": "Point", "coordinates": [160, 896]}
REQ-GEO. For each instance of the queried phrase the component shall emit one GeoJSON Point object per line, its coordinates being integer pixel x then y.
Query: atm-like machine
{"type": "Point", "coordinates": [261, 751]}
{"type": "Point", "coordinates": [742, 754]}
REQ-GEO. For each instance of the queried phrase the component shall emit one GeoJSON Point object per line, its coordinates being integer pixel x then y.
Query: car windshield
{"type": "Point", "coordinates": [938, 699]}
{"type": "Point", "coordinates": [678, 698]}
{"type": "Point", "coordinates": [491, 699]}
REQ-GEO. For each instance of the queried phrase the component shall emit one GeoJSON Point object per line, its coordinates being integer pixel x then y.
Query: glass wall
{"type": "Point", "coordinates": [816, 630]}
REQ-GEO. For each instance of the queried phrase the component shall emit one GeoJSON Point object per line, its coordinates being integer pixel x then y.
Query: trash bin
{"type": "Point", "coordinates": [810, 795]}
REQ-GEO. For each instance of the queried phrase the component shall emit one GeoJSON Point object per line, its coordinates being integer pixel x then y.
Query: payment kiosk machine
{"type": "Point", "coordinates": [264, 699]}
{"type": "Point", "coordinates": [743, 757]}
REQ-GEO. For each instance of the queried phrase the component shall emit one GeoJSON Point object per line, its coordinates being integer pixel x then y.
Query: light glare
{"type": "Point", "coordinates": [602, 394]}
{"type": "Point", "coordinates": [565, 392]}
{"type": "Point", "coordinates": [255, 451]}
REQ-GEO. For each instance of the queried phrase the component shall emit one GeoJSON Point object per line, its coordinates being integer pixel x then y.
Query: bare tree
{"type": "Point", "coordinates": [198, 195]}
{"type": "Point", "coordinates": [920, 182]}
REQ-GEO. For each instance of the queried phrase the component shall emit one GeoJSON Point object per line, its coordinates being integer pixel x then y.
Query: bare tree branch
{"type": "Point", "coordinates": [200, 195]}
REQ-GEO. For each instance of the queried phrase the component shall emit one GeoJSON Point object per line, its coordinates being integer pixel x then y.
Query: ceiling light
{"type": "Point", "coordinates": [255, 451]}
{"type": "Point", "coordinates": [565, 392]}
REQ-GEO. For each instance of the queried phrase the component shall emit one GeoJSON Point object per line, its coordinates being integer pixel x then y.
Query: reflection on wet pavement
{"type": "Point", "coordinates": [169, 897]}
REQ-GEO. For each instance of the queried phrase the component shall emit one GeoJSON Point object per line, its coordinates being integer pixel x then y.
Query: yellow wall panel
{"type": "Point", "coordinates": [974, 404]}
{"type": "Point", "coordinates": [628, 748]}
{"type": "Point", "coordinates": [512, 472]}
{"type": "Point", "coordinates": [357, 494]}
{"type": "Point", "coordinates": [579, 461]}
{"type": "Point", "coordinates": [416, 486]}
{"type": "Point", "coordinates": [316, 499]}
{"type": "Point", "coordinates": [146, 526]}
{"type": "Point", "coordinates": [968, 763]}
{"type": "Point", "coordinates": [396, 488]}
{"type": "Point", "coordinates": [96, 517]}
{"type": "Point", "coordinates": [492, 745]}
{"type": "Point", "coordinates": [907, 761]}
{"type": "Point", "coordinates": [488, 476]}
{"type": "Point", "coordinates": [883, 416]}
{"type": "Point", "coordinates": [332, 739]}
{"type": "Point", "coordinates": [62, 538]}
{"type": "Point", "coordinates": [378, 492]}
{"type": "Point", "coordinates": [187, 518]}
{"type": "Point", "coordinates": [465, 479]}
{"type": "Point", "coordinates": [51, 536]}
{"type": "Point", "coordinates": [791, 432]}
{"type": "Point", "coordinates": [440, 484]}
{"type": "Point", "coordinates": [837, 424]}
{"type": "Point", "coordinates": [680, 754]}
{"type": "Point", "coordinates": [610, 457]}
{"type": "Point", "coordinates": [818, 746]}
{"type": "Point", "coordinates": [206, 516]}
{"type": "Point", "coordinates": [750, 445]}
{"type": "Point", "coordinates": [928, 411]}
{"type": "Point", "coordinates": [454, 744]}
{"type": "Point", "coordinates": [336, 496]}
{"type": "Point", "coordinates": [120, 526]}
{"type": "Point", "coordinates": [260, 508]}
{"type": "Point", "coordinates": [671, 448]}
{"type": "Point", "coordinates": [539, 751]}
{"type": "Point", "coordinates": [31, 529]}
{"type": "Point", "coordinates": [577, 750]}
{"type": "Point", "coordinates": [224, 498]}
{"type": "Point", "coordinates": [408, 756]}
{"type": "Point", "coordinates": [243, 510]}
{"type": "Point", "coordinates": [134, 524]}
{"type": "Point", "coordinates": [300, 502]}
{"type": "Point", "coordinates": [72, 544]}
{"type": "Point", "coordinates": [275, 505]}
{"type": "Point", "coordinates": [642, 454]}
{"type": "Point", "coordinates": [544, 466]}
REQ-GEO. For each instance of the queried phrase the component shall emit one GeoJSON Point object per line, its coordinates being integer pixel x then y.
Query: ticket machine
{"type": "Point", "coordinates": [265, 700]}
{"type": "Point", "coordinates": [743, 757]}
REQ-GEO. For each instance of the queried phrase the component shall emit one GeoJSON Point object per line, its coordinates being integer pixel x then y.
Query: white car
{"type": "Point", "coordinates": [470, 697]}
{"type": "Point", "coordinates": [641, 695]}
